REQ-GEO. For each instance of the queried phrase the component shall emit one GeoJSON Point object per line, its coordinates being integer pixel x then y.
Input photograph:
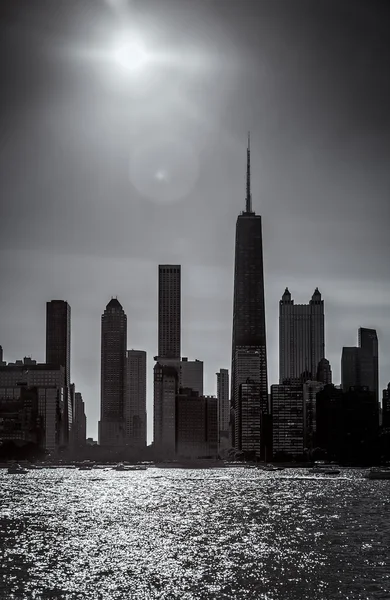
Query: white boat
{"type": "Point", "coordinates": [17, 470]}
{"type": "Point", "coordinates": [378, 473]}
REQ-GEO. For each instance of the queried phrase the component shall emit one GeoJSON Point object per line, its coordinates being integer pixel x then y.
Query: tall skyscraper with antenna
{"type": "Point", "coordinates": [249, 349]}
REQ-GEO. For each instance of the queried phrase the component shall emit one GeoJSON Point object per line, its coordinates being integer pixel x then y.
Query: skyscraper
{"type": "Point", "coordinates": [49, 380]}
{"type": "Point", "coordinates": [249, 333]}
{"type": "Point", "coordinates": [191, 374]}
{"type": "Point", "coordinates": [135, 398]}
{"type": "Point", "coordinates": [288, 419]}
{"type": "Point", "coordinates": [350, 369]}
{"type": "Point", "coordinates": [301, 338]}
{"type": "Point", "coordinates": [359, 365]}
{"type": "Point", "coordinates": [58, 335]}
{"type": "Point", "coordinates": [369, 371]}
{"type": "Point", "coordinates": [324, 372]}
{"type": "Point", "coordinates": [113, 362]}
{"type": "Point", "coordinates": [386, 407]}
{"type": "Point", "coordinates": [223, 400]}
{"type": "Point", "coordinates": [166, 387]}
{"type": "Point", "coordinates": [80, 421]}
{"type": "Point", "coordinates": [196, 425]}
{"type": "Point", "coordinates": [169, 311]}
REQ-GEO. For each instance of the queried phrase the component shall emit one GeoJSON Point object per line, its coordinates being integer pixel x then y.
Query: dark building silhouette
{"type": "Point", "coordinates": [348, 424]}
{"type": "Point", "coordinates": [112, 430]}
{"type": "Point", "coordinates": [359, 426]}
{"type": "Point", "coordinates": [2, 362]}
{"type": "Point", "coordinates": [79, 429]}
{"type": "Point", "coordinates": [20, 419]}
{"type": "Point", "coordinates": [135, 398]}
{"type": "Point", "coordinates": [310, 391]}
{"type": "Point", "coordinates": [169, 311]}
{"type": "Point", "coordinates": [359, 365]}
{"type": "Point", "coordinates": [250, 418]}
{"type": "Point", "coordinates": [58, 335]}
{"type": "Point", "coordinates": [166, 386]}
{"type": "Point", "coordinates": [386, 408]}
{"type": "Point", "coordinates": [287, 406]}
{"type": "Point", "coordinates": [350, 372]}
{"type": "Point", "coordinates": [223, 395]}
{"type": "Point", "coordinates": [369, 372]}
{"type": "Point", "coordinates": [324, 372]}
{"type": "Point", "coordinates": [49, 381]}
{"type": "Point", "coordinates": [196, 425]}
{"type": "Point", "coordinates": [329, 416]}
{"type": "Point", "coordinates": [301, 338]}
{"type": "Point", "coordinates": [249, 349]}
{"type": "Point", "coordinates": [191, 374]}
{"type": "Point", "coordinates": [58, 328]}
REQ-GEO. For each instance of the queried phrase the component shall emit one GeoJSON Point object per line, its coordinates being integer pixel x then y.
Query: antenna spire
{"type": "Point", "coordinates": [248, 176]}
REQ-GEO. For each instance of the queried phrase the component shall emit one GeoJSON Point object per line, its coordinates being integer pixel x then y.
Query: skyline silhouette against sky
{"type": "Point", "coordinates": [107, 172]}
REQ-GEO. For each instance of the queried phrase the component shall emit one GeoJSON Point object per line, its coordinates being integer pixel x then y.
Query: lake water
{"type": "Point", "coordinates": [193, 534]}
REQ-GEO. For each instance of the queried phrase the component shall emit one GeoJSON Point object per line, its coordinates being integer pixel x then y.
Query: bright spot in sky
{"type": "Point", "coordinates": [131, 55]}
{"type": "Point", "coordinates": [164, 169]}
{"type": "Point", "coordinates": [161, 175]}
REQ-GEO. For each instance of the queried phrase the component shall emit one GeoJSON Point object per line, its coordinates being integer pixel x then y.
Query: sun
{"type": "Point", "coordinates": [131, 55]}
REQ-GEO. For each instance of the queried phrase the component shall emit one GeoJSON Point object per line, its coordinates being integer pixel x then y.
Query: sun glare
{"type": "Point", "coordinates": [131, 55]}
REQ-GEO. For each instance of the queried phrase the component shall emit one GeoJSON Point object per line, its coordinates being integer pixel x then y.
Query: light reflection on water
{"type": "Point", "coordinates": [192, 534]}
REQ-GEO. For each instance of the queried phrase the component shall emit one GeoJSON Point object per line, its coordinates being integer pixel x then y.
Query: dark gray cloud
{"type": "Point", "coordinates": [104, 175]}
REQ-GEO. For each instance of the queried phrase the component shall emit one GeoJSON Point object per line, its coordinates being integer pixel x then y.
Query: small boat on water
{"type": "Point", "coordinates": [269, 468]}
{"type": "Point", "coordinates": [17, 470]}
{"type": "Point", "coordinates": [321, 468]}
{"type": "Point", "coordinates": [122, 467]}
{"type": "Point", "coordinates": [378, 473]}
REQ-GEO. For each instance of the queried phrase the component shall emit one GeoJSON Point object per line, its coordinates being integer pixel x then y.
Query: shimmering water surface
{"type": "Point", "coordinates": [193, 534]}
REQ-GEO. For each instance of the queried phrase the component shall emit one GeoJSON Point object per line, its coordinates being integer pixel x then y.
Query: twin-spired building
{"type": "Point", "coordinates": [301, 338]}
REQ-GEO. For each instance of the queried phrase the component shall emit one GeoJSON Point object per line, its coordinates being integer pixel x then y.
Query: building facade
{"type": "Point", "coordinates": [250, 418]}
{"type": "Point", "coordinates": [79, 429]}
{"type": "Point", "coordinates": [249, 332]}
{"type": "Point", "coordinates": [112, 428]}
{"type": "Point", "coordinates": [135, 398]}
{"type": "Point", "coordinates": [369, 368]}
{"type": "Point", "coordinates": [301, 338]}
{"type": "Point", "coordinates": [166, 387]}
{"type": "Point", "coordinates": [49, 383]}
{"type": "Point", "coordinates": [169, 311]}
{"type": "Point", "coordinates": [58, 328]}
{"type": "Point", "coordinates": [359, 364]}
{"type": "Point", "coordinates": [288, 416]}
{"type": "Point", "coordinates": [223, 396]}
{"type": "Point", "coordinates": [191, 374]}
{"type": "Point", "coordinates": [386, 408]}
{"type": "Point", "coordinates": [310, 391]}
{"type": "Point", "coordinates": [20, 420]}
{"type": "Point", "coordinates": [324, 372]}
{"type": "Point", "coordinates": [196, 425]}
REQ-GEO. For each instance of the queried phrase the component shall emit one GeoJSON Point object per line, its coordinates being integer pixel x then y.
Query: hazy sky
{"type": "Point", "coordinates": [107, 171]}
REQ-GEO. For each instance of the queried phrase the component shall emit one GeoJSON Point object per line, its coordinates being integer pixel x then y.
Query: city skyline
{"type": "Point", "coordinates": [96, 227]}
